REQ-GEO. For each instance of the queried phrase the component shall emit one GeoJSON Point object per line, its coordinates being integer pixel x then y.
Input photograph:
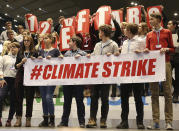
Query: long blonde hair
{"type": "Point", "coordinates": [5, 49]}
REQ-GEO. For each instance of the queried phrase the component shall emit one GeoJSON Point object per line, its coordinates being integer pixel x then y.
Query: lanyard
{"type": "Point", "coordinates": [73, 53]}
{"type": "Point", "coordinates": [13, 61]}
{"type": "Point", "coordinates": [46, 53]}
{"type": "Point", "coordinates": [26, 56]}
{"type": "Point", "coordinates": [102, 47]}
{"type": "Point", "coordinates": [158, 36]}
{"type": "Point", "coordinates": [129, 44]}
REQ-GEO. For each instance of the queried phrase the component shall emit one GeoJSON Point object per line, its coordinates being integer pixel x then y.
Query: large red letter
{"type": "Point", "coordinates": [45, 75]}
{"type": "Point", "coordinates": [94, 70]}
{"type": "Point", "coordinates": [134, 15]}
{"type": "Point", "coordinates": [141, 67]}
{"type": "Point", "coordinates": [116, 68]}
{"type": "Point", "coordinates": [126, 68]}
{"type": "Point", "coordinates": [107, 69]}
{"type": "Point", "coordinates": [69, 71]}
{"type": "Point", "coordinates": [151, 67]}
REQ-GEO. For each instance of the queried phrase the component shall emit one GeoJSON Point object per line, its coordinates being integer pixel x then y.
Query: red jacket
{"type": "Point", "coordinates": [165, 40]}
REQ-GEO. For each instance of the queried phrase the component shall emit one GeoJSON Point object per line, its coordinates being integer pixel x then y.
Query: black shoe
{"type": "Point", "coordinates": [44, 123]}
{"type": "Point", "coordinates": [140, 125]}
{"type": "Point", "coordinates": [123, 125]}
{"type": "Point", "coordinates": [113, 95]}
{"type": "Point", "coordinates": [62, 124]}
{"type": "Point", "coordinates": [82, 125]}
{"type": "Point", "coordinates": [91, 123]}
{"type": "Point", "coordinates": [175, 99]}
{"type": "Point", "coordinates": [52, 121]}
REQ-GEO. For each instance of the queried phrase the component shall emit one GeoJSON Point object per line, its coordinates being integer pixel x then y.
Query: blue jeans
{"type": "Point", "coordinates": [46, 93]}
{"type": "Point", "coordinates": [8, 89]}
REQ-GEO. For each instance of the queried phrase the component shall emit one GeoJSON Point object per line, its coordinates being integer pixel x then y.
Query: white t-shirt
{"type": "Point", "coordinates": [7, 66]}
{"type": "Point", "coordinates": [176, 44]}
{"type": "Point", "coordinates": [136, 43]}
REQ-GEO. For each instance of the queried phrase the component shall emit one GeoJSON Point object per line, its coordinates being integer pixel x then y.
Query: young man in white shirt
{"type": "Point", "coordinates": [131, 45]}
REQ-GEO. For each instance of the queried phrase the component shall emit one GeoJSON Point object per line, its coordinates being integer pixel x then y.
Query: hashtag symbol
{"type": "Point", "coordinates": [36, 72]}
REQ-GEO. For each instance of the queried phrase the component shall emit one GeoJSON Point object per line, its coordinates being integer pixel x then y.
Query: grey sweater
{"type": "Point", "coordinates": [107, 47]}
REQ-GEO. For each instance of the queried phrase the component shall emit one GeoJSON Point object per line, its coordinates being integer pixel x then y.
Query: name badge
{"type": "Point", "coordinates": [86, 45]}
{"type": "Point", "coordinates": [158, 46]}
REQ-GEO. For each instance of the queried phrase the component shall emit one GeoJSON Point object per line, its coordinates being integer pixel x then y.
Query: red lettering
{"type": "Point", "coordinates": [141, 67]}
{"type": "Point", "coordinates": [126, 68]}
{"type": "Point", "coordinates": [69, 71]}
{"type": "Point", "coordinates": [45, 75]}
{"type": "Point", "coordinates": [79, 71]}
{"type": "Point", "coordinates": [54, 72]}
{"type": "Point", "coordinates": [88, 65]}
{"type": "Point", "coordinates": [151, 67]}
{"type": "Point", "coordinates": [134, 68]}
{"type": "Point", "coordinates": [94, 70]}
{"type": "Point", "coordinates": [60, 71]}
{"type": "Point", "coordinates": [116, 68]}
{"type": "Point", "coordinates": [107, 69]}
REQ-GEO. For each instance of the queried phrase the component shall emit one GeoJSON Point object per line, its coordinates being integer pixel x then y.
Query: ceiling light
{"type": "Point", "coordinates": [18, 16]}
{"type": "Point", "coordinates": [135, 4]}
{"type": "Point", "coordinates": [40, 8]}
{"type": "Point", "coordinates": [5, 14]}
{"type": "Point", "coordinates": [7, 5]}
{"type": "Point", "coordinates": [60, 11]}
{"type": "Point", "coordinates": [132, 3]}
{"type": "Point", "coordinates": [15, 20]}
{"type": "Point", "coordinates": [175, 14]}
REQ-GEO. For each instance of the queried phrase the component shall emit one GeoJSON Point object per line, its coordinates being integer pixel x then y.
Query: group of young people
{"type": "Point", "coordinates": [127, 38]}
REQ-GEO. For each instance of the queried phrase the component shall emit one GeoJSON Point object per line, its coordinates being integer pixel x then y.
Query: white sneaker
{"type": "Point", "coordinates": [168, 126]}
{"type": "Point", "coordinates": [154, 126]}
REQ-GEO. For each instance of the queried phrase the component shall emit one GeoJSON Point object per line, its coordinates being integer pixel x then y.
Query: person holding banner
{"type": "Point", "coordinates": [48, 91]}
{"type": "Point", "coordinates": [7, 80]}
{"type": "Point", "coordinates": [131, 45]}
{"type": "Point", "coordinates": [50, 20]}
{"type": "Point", "coordinates": [73, 90]}
{"type": "Point", "coordinates": [142, 32]}
{"type": "Point", "coordinates": [104, 47]}
{"type": "Point", "coordinates": [19, 37]}
{"type": "Point", "coordinates": [40, 45]}
{"type": "Point", "coordinates": [58, 27]}
{"type": "Point", "coordinates": [161, 39]}
{"type": "Point", "coordinates": [27, 51]}
{"type": "Point", "coordinates": [173, 27]}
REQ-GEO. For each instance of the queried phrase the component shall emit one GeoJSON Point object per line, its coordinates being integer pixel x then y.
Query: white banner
{"type": "Point", "coordinates": [130, 68]}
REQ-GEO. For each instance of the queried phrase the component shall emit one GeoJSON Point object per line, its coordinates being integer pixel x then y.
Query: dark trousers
{"type": "Point", "coordinates": [77, 92]}
{"type": "Point", "coordinates": [176, 81]}
{"type": "Point", "coordinates": [29, 93]}
{"type": "Point", "coordinates": [103, 92]}
{"type": "Point", "coordinates": [125, 93]}
{"type": "Point", "coordinates": [8, 89]}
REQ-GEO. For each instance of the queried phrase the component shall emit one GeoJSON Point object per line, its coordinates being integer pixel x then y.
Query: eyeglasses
{"type": "Point", "coordinates": [13, 47]}
{"type": "Point", "coordinates": [26, 40]}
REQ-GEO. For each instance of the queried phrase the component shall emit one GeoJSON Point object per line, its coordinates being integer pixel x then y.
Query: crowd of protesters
{"type": "Point", "coordinates": [127, 38]}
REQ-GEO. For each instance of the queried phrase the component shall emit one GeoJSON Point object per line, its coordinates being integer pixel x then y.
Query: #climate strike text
{"type": "Point", "coordinates": [91, 70]}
